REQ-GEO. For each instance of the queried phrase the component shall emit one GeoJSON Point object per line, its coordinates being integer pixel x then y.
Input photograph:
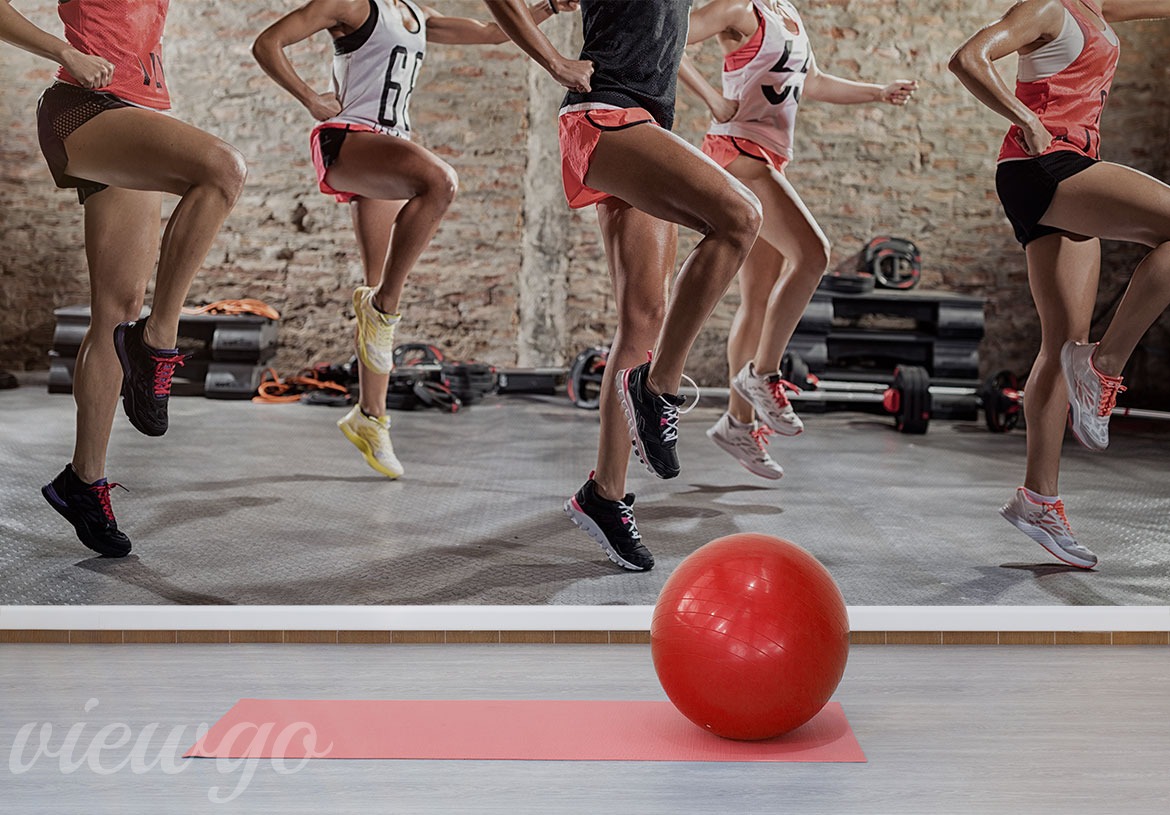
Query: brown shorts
{"type": "Point", "coordinates": [62, 109]}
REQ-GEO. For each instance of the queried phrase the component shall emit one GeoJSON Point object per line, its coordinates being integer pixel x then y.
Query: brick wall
{"type": "Point", "coordinates": [924, 172]}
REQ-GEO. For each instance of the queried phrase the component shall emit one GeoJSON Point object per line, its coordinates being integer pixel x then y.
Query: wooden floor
{"type": "Point", "coordinates": [947, 730]}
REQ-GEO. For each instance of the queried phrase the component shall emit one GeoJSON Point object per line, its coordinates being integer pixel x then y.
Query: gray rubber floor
{"type": "Point", "coordinates": [946, 731]}
{"type": "Point", "coordinates": [269, 504]}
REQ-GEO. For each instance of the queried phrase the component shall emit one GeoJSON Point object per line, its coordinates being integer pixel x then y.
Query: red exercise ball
{"type": "Point", "coordinates": [750, 636]}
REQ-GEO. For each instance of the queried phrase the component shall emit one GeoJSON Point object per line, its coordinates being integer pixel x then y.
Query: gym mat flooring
{"type": "Point", "coordinates": [268, 504]}
{"type": "Point", "coordinates": [961, 731]}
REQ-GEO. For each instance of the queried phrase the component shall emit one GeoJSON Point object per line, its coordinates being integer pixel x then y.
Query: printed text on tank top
{"type": "Point", "coordinates": [376, 65]}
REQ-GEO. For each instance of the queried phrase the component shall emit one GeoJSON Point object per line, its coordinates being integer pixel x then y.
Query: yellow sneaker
{"type": "Point", "coordinates": [372, 437]}
{"type": "Point", "coordinates": [375, 332]}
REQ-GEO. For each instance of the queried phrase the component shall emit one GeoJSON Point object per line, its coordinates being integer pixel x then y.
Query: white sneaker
{"type": "Point", "coordinates": [372, 437]}
{"type": "Point", "coordinates": [768, 396]}
{"type": "Point", "coordinates": [1046, 524]}
{"type": "Point", "coordinates": [375, 332]}
{"type": "Point", "coordinates": [746, 444]}
{"type": "Point", "coordinates": [1091, 394]}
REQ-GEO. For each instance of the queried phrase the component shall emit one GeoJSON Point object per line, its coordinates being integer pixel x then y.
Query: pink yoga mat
{"type": "Point", "coordinates": [503, 730]}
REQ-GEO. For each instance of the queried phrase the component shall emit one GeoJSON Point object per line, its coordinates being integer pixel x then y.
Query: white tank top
{"type": "Point", "coordinates": [1053, 57]}
{"type": "Point", "coordinates": [768, 87]}
{"type": "Point", "coordinates": [375, 68]}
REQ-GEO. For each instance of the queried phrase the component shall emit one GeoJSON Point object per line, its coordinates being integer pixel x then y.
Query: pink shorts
{"type": "Point", "coordinates": [725, 149]}
{"type": "Point", "coordinates": [325, 141]}
{"type": "Point", "coordinates": [579, 133]}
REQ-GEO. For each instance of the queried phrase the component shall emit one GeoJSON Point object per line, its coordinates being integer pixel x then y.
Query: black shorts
{"type": "Point", "coordinates": [62, 109]}
{"type": "Point", "coordinates": [1026, 186]}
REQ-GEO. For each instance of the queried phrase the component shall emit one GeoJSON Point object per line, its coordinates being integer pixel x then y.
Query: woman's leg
{"type": "Point", "coordinates": [1114, 202]}
{"type": "Point", "coordinates": [758, 276]}
{"type": "Point", "coordinates": [121, 246]}
{"type": "Point", "coordinates": [790, 228]}
{"type": "Point", "coordinates": [382, 167]}
{"type": "Point", "coordinates": [1063, 272]}
{"type": "Point", "coordinates": [142, 150]}
{"type": "Point", "coordinates": [373, 225]}
{"type": "Point", "coordinates": [660, 174]}
{"type": "Point", "coordinates": [641, 251]}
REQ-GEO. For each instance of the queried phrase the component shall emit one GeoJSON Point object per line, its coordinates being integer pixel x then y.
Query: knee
{"type": "Point", "coordinates": [442, 184]}
{"type": "Point", "coordinates": [815, 257]}
{"type": "Point", "coordinates": [110, 308]}
{"type": "Point", "coordinates": [225, 171]}
{"type": "Point", "coordinates": [741, 218]}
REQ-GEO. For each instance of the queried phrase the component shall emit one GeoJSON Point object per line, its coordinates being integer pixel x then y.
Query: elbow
{"type": "Point", "coordinates": [962, 63]}
{"type": "Point", "coordinates": [259, 46]}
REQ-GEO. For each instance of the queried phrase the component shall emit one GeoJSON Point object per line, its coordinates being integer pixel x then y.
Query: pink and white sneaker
{"type": "Point", "coordinates": [1046, 524]}
{"type": "Point", "coordinates": [1092, 395]}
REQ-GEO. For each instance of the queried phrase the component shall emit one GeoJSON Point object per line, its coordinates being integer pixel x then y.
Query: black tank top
{"type": "Point", "coordinates": [636, 47]}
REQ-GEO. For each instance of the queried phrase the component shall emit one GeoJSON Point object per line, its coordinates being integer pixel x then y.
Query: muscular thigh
{"type": "Point", "coordinates": [788, 226]}
{"type": "Point", "coordinates": [1063, 271]}
{"type": "Point", "coordinates": [664, 176]}
{"type": "Point", "coordinates": [122, 234]}
{"type": "Point", "coordinates": [140, 149]}
{"type": "Point", "coordinates": [1114, 202]}
{"type": "Point", "coordinates": [375, 165]}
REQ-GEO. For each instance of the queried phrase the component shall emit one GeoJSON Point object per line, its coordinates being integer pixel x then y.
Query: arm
{"type": "Point", "coordinates": [517, 23]}
{"type": "Point", "coordinates": [734, 18]}
{"type": "Point", "coordinates": [1119, 11]}
{"type": "Point", "coordinates": [825, 87]}
{"type": "Point", "coordinates": [341, 16]}
{"type": "Point", "coordinates": [722, 109]}
{"type": "Point", "coordinates": [465, 31]}
{"type": "Point", "coordinates": [91, 71]}
{"type": "Point", "coordinates": [1029, 22]}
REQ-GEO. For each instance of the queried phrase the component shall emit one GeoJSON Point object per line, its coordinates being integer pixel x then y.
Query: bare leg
{"type": "Point", "coordinates": [790, 228]}
{"type": "Point", "coordinates": [1118, 203]}
{"type": "Point", "coordinates": [374, 224]}
{"type": "Point", "coordinates": [121, 244]}
{"type": "Point", "coordinates": [382, 167]}
{"type": "Point", "coordinates": [641, 252]}
{"type": "Point", "coordinates": [663, 176]}
{"type": "Point", "coordinates": [142, 150]}
{"type": "Point", "coordinates": [757, 278]}
{"type": "Point", "coordinates": [1063, 272]}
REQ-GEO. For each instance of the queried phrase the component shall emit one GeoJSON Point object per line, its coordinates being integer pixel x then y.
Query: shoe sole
{"type": "Point", "coordinates": [586, 525]}
{"type": "Point", "coordinates": [1074, 409]}
{"type": "Point", "coordinates": [623, 386]}
{"type": "Point", "coordinates": [360, 344]}
{"type": "Point", "coordinates": [783, 430]}
{"type": "Point", "coordinates": [367, 452]}
{"type": "Point", "coordinates": [79, 525]}
{"type": "Point", "coordinates": [1044, 539]}
{"type": "Point", "coordinates": [129, 406]}
{"type": "Point", "coordinates": [732, 450]}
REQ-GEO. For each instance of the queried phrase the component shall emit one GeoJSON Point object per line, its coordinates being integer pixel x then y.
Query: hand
{"type": "Point", "coordinates": [724, 109]}
{"type": "Point", "coordinates": [574, 74]}
{"type": "Point", "coordinates": [324, 106]}
{"type": "Point", "coordinates": [566, 5]}
{"type": "Point", "coordinates": [92, 72]}
{"type": "Point", "coordinates": [1034, 137]}
{"type": "Point", "coordinates": [899, 92]}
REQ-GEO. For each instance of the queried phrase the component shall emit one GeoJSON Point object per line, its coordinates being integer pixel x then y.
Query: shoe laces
{"type": "Point", "coordinates": [1110, 387]}
{"type": "Point", "coordinates": [778, 387]}
{"type": "Point", "coordinates": [761, 434]}
{"type": "Point", "coordinates": [102, 491]}
{"type": "Point", "coordinates": [627, 513]}
{"type": "Point", "coordinates": [164, 372]}
{"type": "Point", "coordinates": [1058, 508]}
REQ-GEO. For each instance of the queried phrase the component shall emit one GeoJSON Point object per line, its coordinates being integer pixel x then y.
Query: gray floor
{"type": "Point", "coordinates": [268, 504]}
{"type": "Point", "coordinates": [946, 730]}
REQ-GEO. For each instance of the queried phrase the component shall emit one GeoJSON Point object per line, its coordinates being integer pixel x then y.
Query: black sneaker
{"type": "Point", "coordinates": [146, 377]}
{"type": "Point", "coordinates": [612, 524]}
{"type": "Point", "coordinates": [653, 421]}
{"type": "Point", "coordinates": [87, 507]}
